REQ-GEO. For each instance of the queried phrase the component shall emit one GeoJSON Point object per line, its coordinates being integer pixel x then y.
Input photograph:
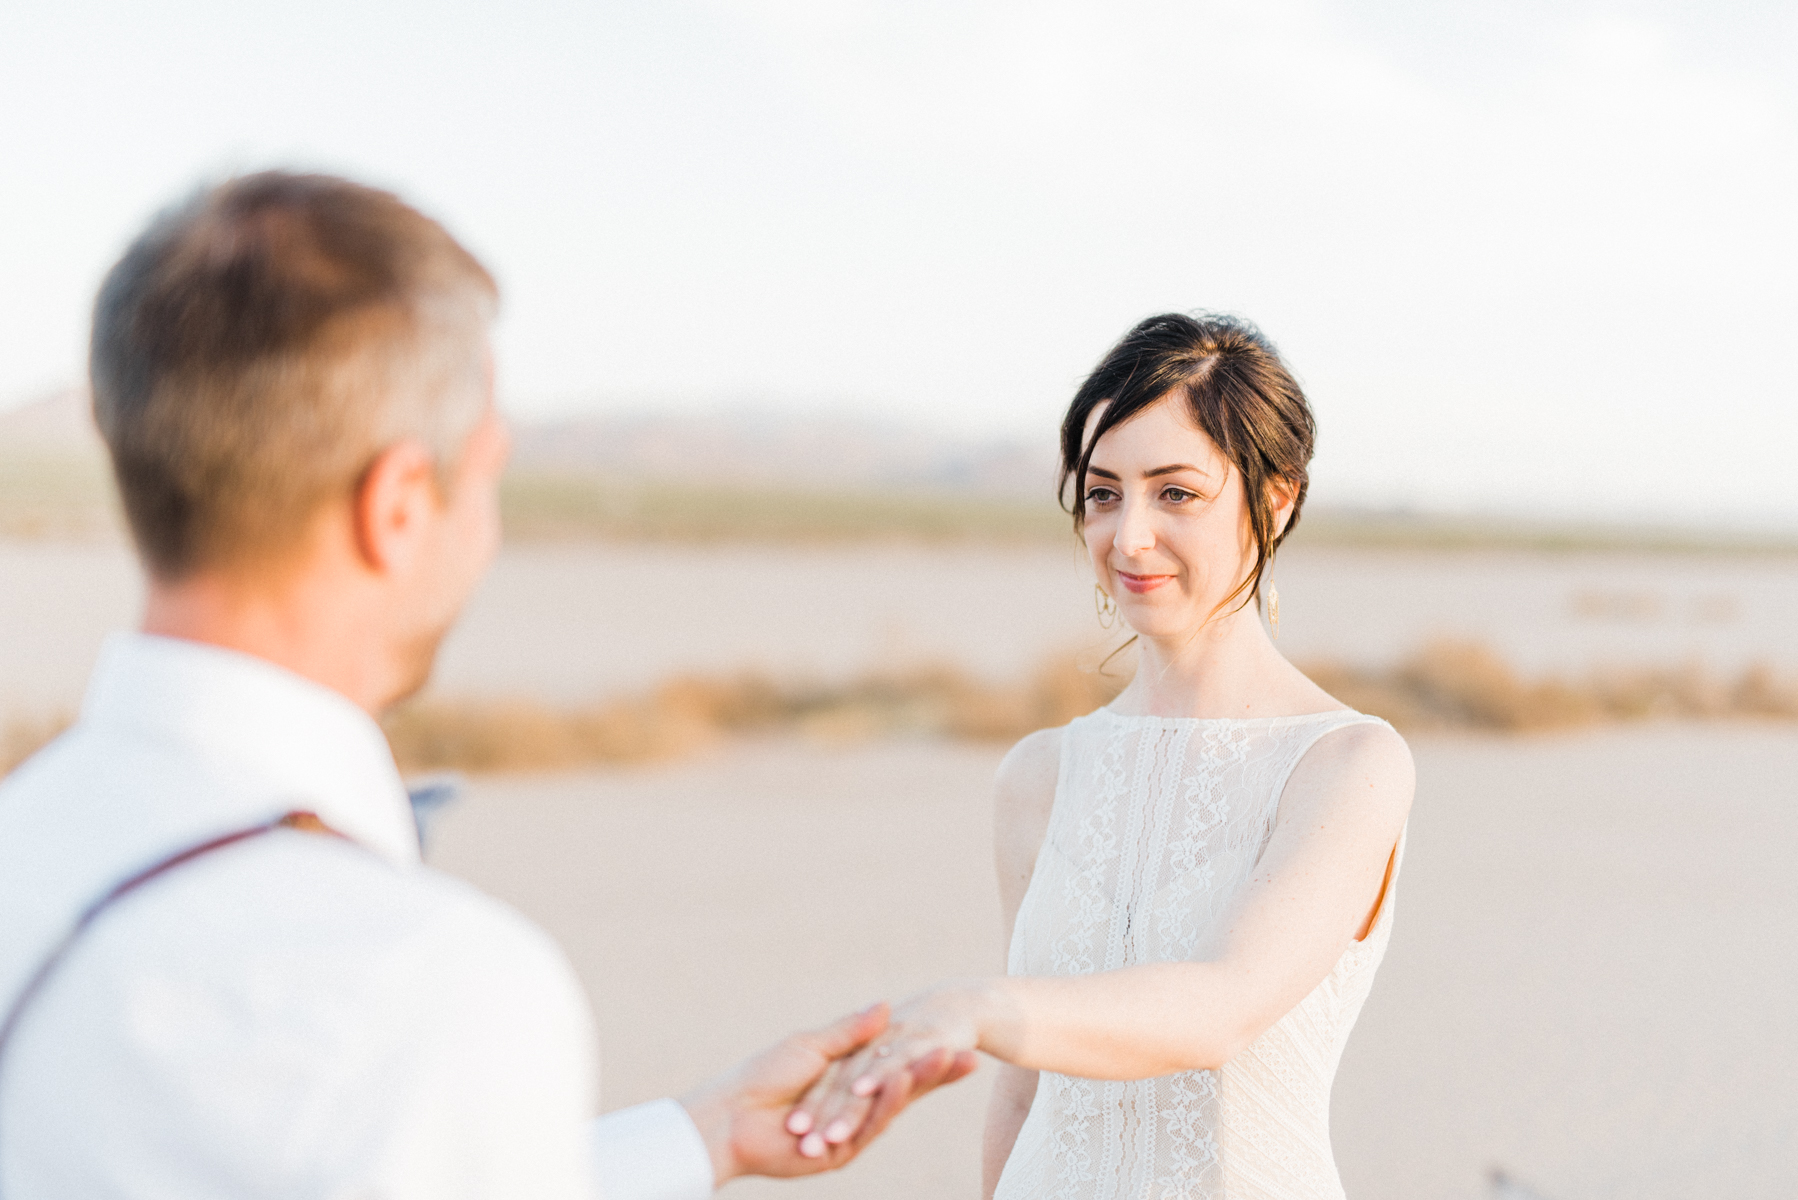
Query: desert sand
{"type": "Point", "coordinates": [1589, 982]}
{"type": "Point", "coordinates": [1593, 965]}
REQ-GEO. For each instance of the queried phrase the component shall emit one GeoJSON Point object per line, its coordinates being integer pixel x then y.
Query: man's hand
{"type": "Point", "coordinates": [743, 1115]}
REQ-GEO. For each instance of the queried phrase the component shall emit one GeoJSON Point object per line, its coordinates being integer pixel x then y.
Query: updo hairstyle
{"type": "Point", "coordinates": [1235, 387]}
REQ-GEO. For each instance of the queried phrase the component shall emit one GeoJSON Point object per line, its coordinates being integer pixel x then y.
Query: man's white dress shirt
{"type": "Point", "coordinates": [292, 1016]}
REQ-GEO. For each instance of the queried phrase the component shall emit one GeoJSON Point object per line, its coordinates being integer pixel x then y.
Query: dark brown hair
{"type": "Point", "coordinates": [1236, 388]}
{"type": "Point", "coordinates": [259, 344]}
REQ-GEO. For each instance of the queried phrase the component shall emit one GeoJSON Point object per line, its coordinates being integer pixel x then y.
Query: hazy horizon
{"type": "Point", "coordinates": [765, 451]}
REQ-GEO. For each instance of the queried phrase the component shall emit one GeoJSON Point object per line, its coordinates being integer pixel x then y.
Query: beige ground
{"type": "Point", "coordinates": [1590, 982]}
{"type": "Point", "coordinates": [1592, 977]}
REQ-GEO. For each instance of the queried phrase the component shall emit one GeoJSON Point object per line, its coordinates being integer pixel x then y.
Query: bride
{"type": "Point", "coordinates": [1198, 878]}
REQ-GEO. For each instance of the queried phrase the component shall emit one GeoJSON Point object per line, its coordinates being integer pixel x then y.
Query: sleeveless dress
{"type": "Point", "coordinates": [1157, 824]}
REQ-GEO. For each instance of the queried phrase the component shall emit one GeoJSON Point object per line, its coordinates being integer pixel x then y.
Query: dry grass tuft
{"type": "Point", "coordinates": [1445, 686]}
{"type": "Point", "coordinates": [689, 712]}
{"type": "Point", "coordinates": [1462, 685]}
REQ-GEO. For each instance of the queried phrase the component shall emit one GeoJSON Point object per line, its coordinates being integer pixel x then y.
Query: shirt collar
{"type": "Point", "coordinates": [281, 740]}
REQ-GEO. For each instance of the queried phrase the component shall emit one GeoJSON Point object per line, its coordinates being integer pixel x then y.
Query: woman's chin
{"type": "Point", "coordinates": [1168, 624]}
{"type": "Point", "coordinates": [1158, 626]}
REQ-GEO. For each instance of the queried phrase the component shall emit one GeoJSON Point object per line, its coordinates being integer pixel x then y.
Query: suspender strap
{"type": "Point", "coordinates": [304, 822]}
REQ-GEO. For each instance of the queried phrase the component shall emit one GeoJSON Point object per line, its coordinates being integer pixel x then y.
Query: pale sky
{"type": "Point", "coordinates": [1525, 256]}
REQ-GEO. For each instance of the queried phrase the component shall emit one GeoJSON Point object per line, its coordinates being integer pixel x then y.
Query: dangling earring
{"type": "Point", "coordinates": [1108, 608]}
{"type": "Point", "coordinates": [1273, 607]}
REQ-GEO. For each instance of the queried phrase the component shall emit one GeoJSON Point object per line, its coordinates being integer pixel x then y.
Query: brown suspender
{"type": "Point", "coordinates": [304, 822]}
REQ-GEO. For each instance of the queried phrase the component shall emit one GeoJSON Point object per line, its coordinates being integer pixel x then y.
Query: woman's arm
{"type": "Point", "coordinates": [1023, 796]}
{"type": "Point", "coordinates": [1315, 889]}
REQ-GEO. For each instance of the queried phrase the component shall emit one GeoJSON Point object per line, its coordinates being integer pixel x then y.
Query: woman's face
{"type": "Point", "coordinates": [1166, 521]}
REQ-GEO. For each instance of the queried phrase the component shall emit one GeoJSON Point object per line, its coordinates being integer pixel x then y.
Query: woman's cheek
{"type": "Point", "coordinates": [1098, 548]}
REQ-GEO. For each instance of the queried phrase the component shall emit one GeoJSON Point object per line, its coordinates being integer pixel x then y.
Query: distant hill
{"type": "Point", "coordinates": [747, 475]}
{"type": "Point", "coordinates": [789, 452]}
{"type": "Point", "coordinates": [706, 476]}
{"type": "Point", "coordinates": [729, 447]}
{"type": "Point", "coordinates": [744, 475]}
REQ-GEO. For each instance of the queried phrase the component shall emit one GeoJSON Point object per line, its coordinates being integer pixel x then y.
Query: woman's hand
{"type": "Point", "coordinates": [946, 1020]}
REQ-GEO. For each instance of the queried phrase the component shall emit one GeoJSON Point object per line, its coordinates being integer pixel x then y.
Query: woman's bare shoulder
{"type": "Point", "coordinates": [1026, 778]}
{"type": "Point", "coordinates": [1365, 767]}
{"type": "Point", "coordinates": [1375, 745]}
{"type": "Point", "coordinates": [1023, 798]}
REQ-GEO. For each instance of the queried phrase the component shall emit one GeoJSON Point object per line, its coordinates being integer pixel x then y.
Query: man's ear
{"type": "Point", "coordinates": [394, 501]}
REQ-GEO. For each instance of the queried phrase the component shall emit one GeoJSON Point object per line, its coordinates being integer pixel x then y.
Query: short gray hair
{"type": "Point", "coordinates": [261, 343]}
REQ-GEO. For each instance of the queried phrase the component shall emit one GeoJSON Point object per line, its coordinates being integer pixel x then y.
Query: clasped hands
{"type": "Point", "coordinates": [812, 1102]}
{"type": "Point", "coordinates": [942, 1025]}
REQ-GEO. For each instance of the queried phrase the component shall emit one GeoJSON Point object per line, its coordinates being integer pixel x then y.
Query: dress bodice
{"type": "Point", "coordinates": [1156, 827]}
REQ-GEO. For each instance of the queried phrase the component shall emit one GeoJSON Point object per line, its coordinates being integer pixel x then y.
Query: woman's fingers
{"type": "Point", "coordinates": [830, 1114]}
{"type": "Point", "coordinates": [839, 1111]}
{"type": "Point", "coordinates": [847, 1120]}
{"type": "Point", "coordinates": [833, 1043]}
{"type": "Point", "coordinates": [893, 1098]}
{"type": "Point", "coordinates": [870, 1080]}
{"type": "Point", "coordinates": [820, 1104]}
{"type": "Point", "coordinates": [803, 1119]}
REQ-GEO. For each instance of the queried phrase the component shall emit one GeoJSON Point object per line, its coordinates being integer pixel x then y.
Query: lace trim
{"type": "Point", "coordinates": [1192, 872]}
{"type": "Point", "coordinates": [1095, 845]}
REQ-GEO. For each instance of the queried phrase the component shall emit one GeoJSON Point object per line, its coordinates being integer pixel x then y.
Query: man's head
{"type": "Point", "coordinates": [292, 375]}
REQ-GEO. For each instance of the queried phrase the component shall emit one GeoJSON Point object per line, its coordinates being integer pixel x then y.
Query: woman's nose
{"type": "Point", "coordinates": [1135, 532]}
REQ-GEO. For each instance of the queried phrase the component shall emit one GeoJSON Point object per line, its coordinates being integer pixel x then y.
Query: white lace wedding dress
{"type": "Point", "coordinates": [1157, 824]}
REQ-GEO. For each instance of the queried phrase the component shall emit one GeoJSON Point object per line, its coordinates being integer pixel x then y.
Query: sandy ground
{"type": "Point", "coordinates": [1589, 984]}
{"type": "Point", "coordinates": [1591, 979]}
{"type": "Point", "coordinates": [569, 623]}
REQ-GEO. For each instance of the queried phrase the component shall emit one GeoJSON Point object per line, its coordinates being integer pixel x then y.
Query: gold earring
{"type": "Point", "coordinates": [1108, 608]}
{"type": "Point", "coordinates": [1273, 608]}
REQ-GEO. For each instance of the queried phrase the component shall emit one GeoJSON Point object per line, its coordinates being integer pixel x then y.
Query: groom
{"type": "Point", "coordinates": [292, 374]}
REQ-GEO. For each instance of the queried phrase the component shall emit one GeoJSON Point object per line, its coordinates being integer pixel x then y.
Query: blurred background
{"type": "Point", "coordinates": [794, 295]}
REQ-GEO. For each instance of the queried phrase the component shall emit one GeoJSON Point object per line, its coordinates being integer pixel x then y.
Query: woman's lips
{"type": "Point", "coordinates": [1142, 583]}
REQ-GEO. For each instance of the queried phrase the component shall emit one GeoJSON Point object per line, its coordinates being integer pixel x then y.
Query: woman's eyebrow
{"type": "Point", "coordinates": [1170, 469]}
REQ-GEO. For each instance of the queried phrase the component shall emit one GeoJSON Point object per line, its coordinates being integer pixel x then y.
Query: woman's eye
{"type": "Point", "coordinates": [1177, 495]}
{"type": "Point", "coordinates": [1100, 495]}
